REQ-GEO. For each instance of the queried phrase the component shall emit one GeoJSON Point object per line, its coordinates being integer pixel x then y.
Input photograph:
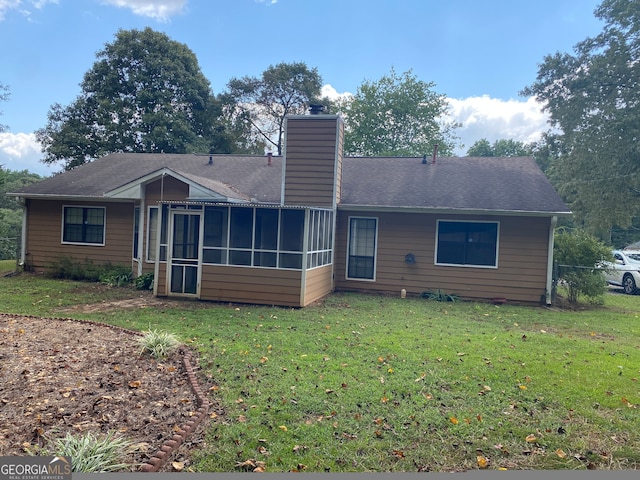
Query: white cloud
{"type": "Point", "coordinates": [267, 2]}
{"type": "Point", "coordinates": [21, 151]}
{"type": "Point", "coordinates": [21, 6]}
{"type": "Point", "coordinates": [496, 119]}
{"type": "Point", "coordinates": [160, 10]}
{"type": "Point", "coordinates": [332, 93]}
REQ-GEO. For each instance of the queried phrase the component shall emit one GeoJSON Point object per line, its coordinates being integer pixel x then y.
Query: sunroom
{"type": "Point", "coordinates": [262, 253]}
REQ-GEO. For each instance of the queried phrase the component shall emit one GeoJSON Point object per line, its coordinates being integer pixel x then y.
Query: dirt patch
{"type": "Point", "coordinates": [62, 376]}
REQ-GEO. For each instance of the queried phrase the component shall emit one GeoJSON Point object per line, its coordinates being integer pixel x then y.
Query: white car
{"type": "Point", "coordinates": [625, 271]}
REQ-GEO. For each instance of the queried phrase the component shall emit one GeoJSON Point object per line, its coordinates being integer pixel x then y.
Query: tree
{"type": "Point", "coordinates": [593, 98]}
{"type": "Point", "coordinates": [144, 93]}
{"type": "Point", "coordinates": [11, 209]}
{"type": "Point", "coordinates": [4, 96]}
{"type": "Point", "coordinates": [577, 253]}
{"type": "Point", "coordinates": [500, 148]}
{"type": "Point", "coordinates": [397, 115]}
{"type": "Point", "coordinates": [283, 89]}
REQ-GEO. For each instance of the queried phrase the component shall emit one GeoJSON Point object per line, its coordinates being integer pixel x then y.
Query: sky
{"type": "Point", "coordinates": [479, 53]}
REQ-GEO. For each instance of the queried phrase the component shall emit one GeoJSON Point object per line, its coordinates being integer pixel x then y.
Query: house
{"type": "Point", "coordinates": [287, 230]}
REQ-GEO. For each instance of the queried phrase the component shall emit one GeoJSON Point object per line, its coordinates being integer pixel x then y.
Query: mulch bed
{"type": "Point", "coordinates": [63, 376]}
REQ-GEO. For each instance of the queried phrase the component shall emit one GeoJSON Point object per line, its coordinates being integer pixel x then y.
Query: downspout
{"type": "Point", "coordinates": [23, 237]}
{"type": "Point", "coordinates": [552, 227]}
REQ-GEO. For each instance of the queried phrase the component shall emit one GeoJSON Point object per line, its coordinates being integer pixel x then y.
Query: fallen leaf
{"type": "Point", "coordinates": [453, 420]}
{"type": "Point", "coordinates": [178, 466]}
{"type": "Point", "coordinates": [482, 461]}
{"type": "Point", "coordinates": [531, 438]}
{"type": "Point", "coordinates": [398, 453]}
{"type": "Point", "coordinates": [283, 428]}
{"type": "Point", "coordinates": [135, 383]}
{"type": "Point", "coordinates": [560, 453]}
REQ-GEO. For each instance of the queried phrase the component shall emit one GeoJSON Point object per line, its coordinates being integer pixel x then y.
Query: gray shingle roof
{"type": "Point", "coordinates": [459, 183]}
{"type": "Point", "coordinates": [501, 184]}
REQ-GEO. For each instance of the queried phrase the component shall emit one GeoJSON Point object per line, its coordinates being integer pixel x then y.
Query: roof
{"type": "Point", "coordinates": [472, 184]}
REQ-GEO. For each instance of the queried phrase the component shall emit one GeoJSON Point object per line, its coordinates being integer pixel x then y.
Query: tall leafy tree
{"type": "Point", "coordinates": [281, 90]}
{"type": "Point", "coordinates": [4, 96]}
{"type": "Point", "coordinates": [593, 98]}
{"type": "Point", "coordinates": [397, 115]}
{"type": "Point", "coordinates": [144, 93]}
{"type": "Point", "coordinates": [499, 148]}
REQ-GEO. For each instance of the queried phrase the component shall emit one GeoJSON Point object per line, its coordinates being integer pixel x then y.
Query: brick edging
{"type": "Point", "coordinates": [160, 458]}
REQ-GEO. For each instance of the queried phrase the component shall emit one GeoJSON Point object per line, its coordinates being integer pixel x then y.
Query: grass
{"type": "Point", "coordinates": [368, 383]}
{"type": "Point", "coordinates": [7, 265]}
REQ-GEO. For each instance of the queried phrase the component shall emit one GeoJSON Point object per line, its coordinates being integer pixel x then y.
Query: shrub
{"type": "Point", "coordinates": [90, 453]}
{"type": "Point", "coordinates": [108, 273]}
{"type": "Point", "coordinates": [440, 296]}
{"type": "Point", "coordinates": [577, 253]}
{"type": "Point", "coordinates": [158, 344]}
{"type": "Point", "coordinates": [144, 282]}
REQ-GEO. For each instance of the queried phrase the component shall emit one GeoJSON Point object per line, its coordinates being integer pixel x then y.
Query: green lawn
{"type": "Point", "coordinates": [369, 383]}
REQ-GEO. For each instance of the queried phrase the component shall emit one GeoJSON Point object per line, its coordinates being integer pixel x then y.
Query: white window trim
{"type": "Point", "coordinates": [435, 255]}
{"type": "Point", "coordinates": [375, 250]}
{"type": "Point", "coordinates": [90, 244]}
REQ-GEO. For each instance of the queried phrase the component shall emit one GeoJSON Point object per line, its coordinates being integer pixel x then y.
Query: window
{"type": "Point", "coordinates": [136, 233]}
{"type": "Point", "coordinates": [83, 225]}
{"type": "Point", "coordinates": [152, 234]}
{"type": "Point", "coordinates": [361, 253]}
{"type": "Point", "coordinates": [467, 243]}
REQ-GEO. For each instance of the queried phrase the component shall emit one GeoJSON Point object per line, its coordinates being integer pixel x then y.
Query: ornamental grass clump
{"type": "Point", "coordinates": [93, 454]}
{"type": "Point", "coordinates": [158, 344]}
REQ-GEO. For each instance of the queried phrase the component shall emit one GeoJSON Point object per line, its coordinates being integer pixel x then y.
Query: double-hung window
{"type": "Point", "coordinates": [84, 225]}
{"type": "Point", "coordinates": [362, 244]}
{"type": "Point", "coordinates": [467, 243]}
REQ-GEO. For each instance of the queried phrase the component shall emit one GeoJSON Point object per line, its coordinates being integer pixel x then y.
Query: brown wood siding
{"type": "Point", "coordinates": [311, 161]}
{"type": "Point", "coordinates": [318, 283]}
{"type": "Point", "coordinates": [161, 280]}
{"type": "Point", "coordinates": [339, 163]}
{"type": "Point", "coordinates": [251, 285]}
{"type": "Point", "coordinates": [44, 235]}
{"type": "Point", "coordinates": [168, 189]}
{"type": "Point", "coordinates": [522, 258]}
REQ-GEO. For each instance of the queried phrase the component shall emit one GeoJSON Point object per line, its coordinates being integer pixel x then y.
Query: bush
{"type": "Point", "coordinates": [440, 296]}
{"type": "Point", "coordinates": [144, 282]}
{"type": "Point", "coordinates": [577, 253]}
{"type": "Point", "coordinates": [90, 453]}
{"type": "Point", "coordinates": [107, 273]}
{"type": "Point", "coordinates": [158, 344]}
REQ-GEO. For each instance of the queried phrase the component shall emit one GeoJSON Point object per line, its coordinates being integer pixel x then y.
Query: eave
{"type": "Point", "coordinates": [453, 211]}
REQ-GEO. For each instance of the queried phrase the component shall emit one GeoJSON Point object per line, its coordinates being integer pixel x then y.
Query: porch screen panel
{"type": "Point", "coordinates": [362, 248]}
{"type": "Point", "coordinates": [216, 228]}
{"type": "Point", "coordinates": [240, 236]}
{"type": "Point", "coordinates": [266, 237]}
{"type": "Point", "coordinates": [291, 238]}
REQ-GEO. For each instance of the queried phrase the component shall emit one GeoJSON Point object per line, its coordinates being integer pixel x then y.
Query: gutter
{"type": "Point", "coordinates": [456, 211]}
